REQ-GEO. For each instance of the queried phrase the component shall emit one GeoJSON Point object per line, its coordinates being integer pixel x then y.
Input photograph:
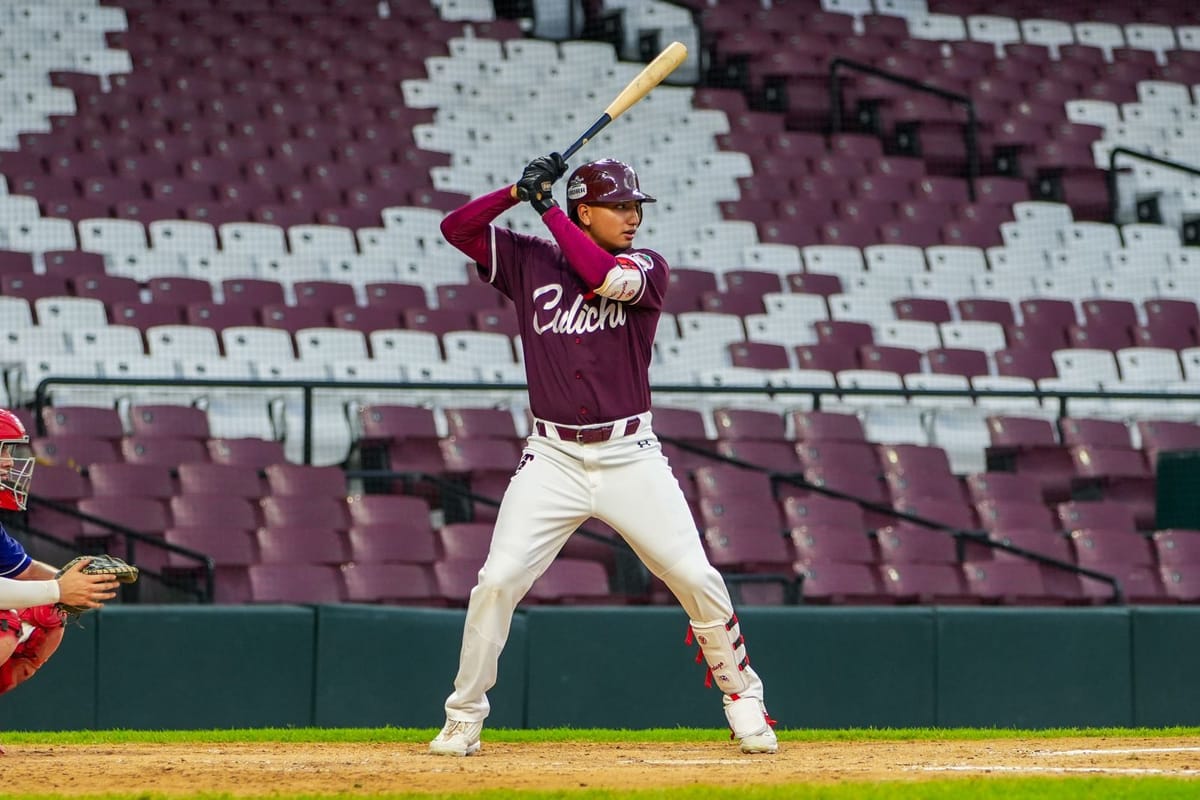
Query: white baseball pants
{"type": "Point", "coordinates": [625, 482]}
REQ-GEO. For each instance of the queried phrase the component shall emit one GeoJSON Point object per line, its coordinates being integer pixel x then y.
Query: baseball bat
{"type": "Point", "coordinates": [651, 75]}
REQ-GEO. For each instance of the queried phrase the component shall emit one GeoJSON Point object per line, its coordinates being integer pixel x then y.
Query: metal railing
{"type": "Point", "coordinates": [970, 130]}
{"type": "Point", "coordinates": [961, 536]}
{"type": "Point", "coordinates": [132, 541]}
{"type": "Point", "coordinates": [307, 389]}
{"type": "Point", "coordinates": [364, 389]}
{"type": "Point", "coordinates": [814, 394]}
{"type": "Point", "coordinates": [1114, 201]}
{"type": "Point", "coordinates": [630, 574]}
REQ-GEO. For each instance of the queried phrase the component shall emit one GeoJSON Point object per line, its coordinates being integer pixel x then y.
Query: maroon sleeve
{"type": "Point", "coordinates": [589, 260]}
{"type": "Point", "coordinates": [466, 227]}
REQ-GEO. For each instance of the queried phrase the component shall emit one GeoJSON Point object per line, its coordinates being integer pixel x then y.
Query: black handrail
{"type": "Point", "coordinates": [1111, 175]}
{"type": "Point", "coordinates": [970, 133]}
{"type": "Point", "coordinates": [815, 392]}
{"type": "Point", "coordinates": [306, 387]}
{"type": "Point", "coordinates": [206, 563]}
{"type": "Point", "coordinates": [623, 553]}
{"type": "Point", "coordinates": [961, 535]}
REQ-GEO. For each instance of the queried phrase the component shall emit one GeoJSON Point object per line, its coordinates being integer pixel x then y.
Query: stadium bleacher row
{"type": "Point", "coordinates": [197, 191]}
{"type": "Point", "coordinates": [162, 473]}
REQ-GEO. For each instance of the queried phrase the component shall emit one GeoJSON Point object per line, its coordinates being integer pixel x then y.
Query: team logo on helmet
{"type": "Point", "coordinates": [577, 188]}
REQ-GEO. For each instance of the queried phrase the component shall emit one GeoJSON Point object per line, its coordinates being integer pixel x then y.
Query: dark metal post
{"type": "Point", "coordinates": [835, 97]}
{"type": "Point", "coordinates": [972, 151]}
{"type": "Point", "coordinates": [308, 423]}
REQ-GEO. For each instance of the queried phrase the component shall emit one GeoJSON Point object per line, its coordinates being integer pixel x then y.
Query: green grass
{"type": "Point", "coordinates": [422, 735]}
{"type": "Point", "coordinates": [1083, 787]}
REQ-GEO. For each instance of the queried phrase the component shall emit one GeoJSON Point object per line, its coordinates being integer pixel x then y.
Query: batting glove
{"type": "Point", "coordinates": [538, 178]}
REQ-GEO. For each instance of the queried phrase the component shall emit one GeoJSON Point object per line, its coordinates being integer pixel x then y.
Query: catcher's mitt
{"type": "Point", "coordinates": [100, 565]}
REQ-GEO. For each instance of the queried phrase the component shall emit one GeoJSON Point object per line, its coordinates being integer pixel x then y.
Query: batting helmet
{"type": "Point", "coordinates": [16, 462]}
{"type": "Point", "coordinates": [604, 181]}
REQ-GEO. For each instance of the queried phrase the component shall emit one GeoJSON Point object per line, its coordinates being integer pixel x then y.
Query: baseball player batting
{"type": "Point", "coordinates": [588, 304]}
{"type": "Point", "coordinates": [31, 628]}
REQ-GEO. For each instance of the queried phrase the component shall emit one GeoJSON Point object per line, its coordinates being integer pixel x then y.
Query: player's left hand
{"type": "Point", "coordinates": [538, 178]}
{"type": "Point", "coordinates": [85, 582]}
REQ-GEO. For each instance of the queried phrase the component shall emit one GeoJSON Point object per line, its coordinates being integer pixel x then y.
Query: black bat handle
{"type": "Point", "coordinates": [597, 126]}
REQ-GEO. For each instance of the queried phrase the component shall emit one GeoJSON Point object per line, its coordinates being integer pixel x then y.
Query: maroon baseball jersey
{"type": "Point", "coordinates": [587, 357]}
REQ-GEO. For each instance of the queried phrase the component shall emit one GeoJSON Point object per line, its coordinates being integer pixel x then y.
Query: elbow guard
{"type": "Point", "coordinates": [626, 279]}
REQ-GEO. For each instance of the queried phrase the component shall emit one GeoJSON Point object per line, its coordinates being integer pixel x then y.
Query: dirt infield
{"type": "Point", "coordinates": [260, 768]}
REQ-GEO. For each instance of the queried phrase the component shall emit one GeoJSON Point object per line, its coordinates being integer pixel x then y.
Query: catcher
{"type": "Point", "coordinates": [35, 598]}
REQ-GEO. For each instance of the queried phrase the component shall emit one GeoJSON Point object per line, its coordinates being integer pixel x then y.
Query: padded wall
{"type": "Point", "coordinates": [187, 667]}
{"type": "Point", "coordinates": [846, 667]}
{"type": "Point", "coordinates": [195, 667]}
{"type": "Point", "coordinates": [1043, 668]}
{"type": "Point", "coordinates": [62, 695]}
{"type": "Point", "coordinates": [1166, 658]}
{"type": "Point", "coordinates": [388, 666]}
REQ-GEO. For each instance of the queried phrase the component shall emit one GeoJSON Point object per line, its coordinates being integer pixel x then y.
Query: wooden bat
{"type": "Point", "coordinates": [652, 75]}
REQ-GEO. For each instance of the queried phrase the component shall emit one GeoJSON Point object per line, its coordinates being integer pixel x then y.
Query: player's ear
{"type": "Point", "coordinates": [584, 213]}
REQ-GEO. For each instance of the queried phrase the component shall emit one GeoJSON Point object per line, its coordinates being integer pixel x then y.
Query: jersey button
{"type": "Point", "coordinates": [578, 376]}
{"type": "Point", "coordinates": [583, 410]}
{"type": "Point", "coordinates": [578, 340]}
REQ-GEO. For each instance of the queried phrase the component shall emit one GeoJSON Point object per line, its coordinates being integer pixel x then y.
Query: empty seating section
{"type": "Point", "coordinates": [922, 361]}
{"type": "Point", "coordinates": [158, 470]}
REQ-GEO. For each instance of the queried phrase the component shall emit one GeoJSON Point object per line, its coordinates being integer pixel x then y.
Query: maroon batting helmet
{"type": "Point", "coordinates": [604, 181]}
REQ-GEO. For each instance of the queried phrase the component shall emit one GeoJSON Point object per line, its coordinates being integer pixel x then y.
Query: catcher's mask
{"type": "Point", "coordinates": [16, 462]}
{"type": "Point", "coordinates": [603, 181]}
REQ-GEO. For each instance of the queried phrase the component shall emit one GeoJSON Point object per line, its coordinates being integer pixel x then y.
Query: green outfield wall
{"type": "Point", "coordinates": [188, 667]}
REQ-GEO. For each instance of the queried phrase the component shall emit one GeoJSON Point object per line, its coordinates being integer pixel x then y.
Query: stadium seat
{"type": "Point", "coordinates": [295, 583]}
{"type": "Point", "coordinates": [842, 583]}
{"type": "Point", "coordinates": [392, 584]}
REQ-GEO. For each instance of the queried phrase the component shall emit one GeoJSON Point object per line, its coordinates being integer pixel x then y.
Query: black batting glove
{"type": "Point", "coordinates": [538, 179]}
{"type": "Point", "coordinates": [543, 204]}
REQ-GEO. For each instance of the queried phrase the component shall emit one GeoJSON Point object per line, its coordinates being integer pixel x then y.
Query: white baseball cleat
{"type": "Point", "coordinates": [457, 738]}
{"type": "Point", "coordinates": [764, 742]}
{"type": "Point", "coordinates": [751, 726]}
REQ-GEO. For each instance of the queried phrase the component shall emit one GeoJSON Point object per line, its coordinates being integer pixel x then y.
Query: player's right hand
{"type": "Point", "coordinates": [86, 591]}
{"type": "Point", "coordinates": [539, 176]}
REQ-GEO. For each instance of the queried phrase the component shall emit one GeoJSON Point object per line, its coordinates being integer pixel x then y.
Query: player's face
{"type": "Point", "coordinates": [612, 225]}
{"type": "Point", "coordinates": [16, 470]}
